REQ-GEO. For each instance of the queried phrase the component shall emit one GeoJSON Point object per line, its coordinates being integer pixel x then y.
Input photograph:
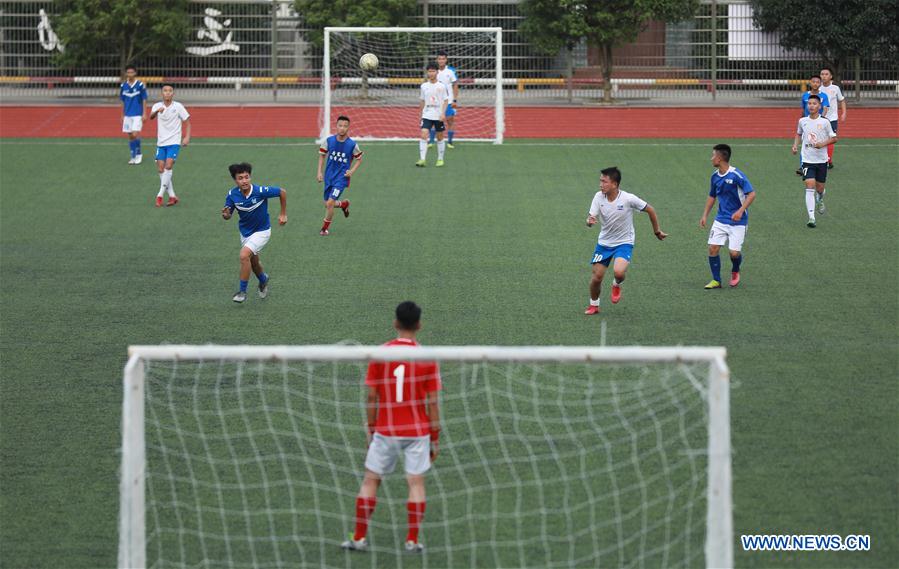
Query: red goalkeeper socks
{"type": "Point", "coordinates": [416, 513]}
{"type": "Point", "coordinates": [364, 509]}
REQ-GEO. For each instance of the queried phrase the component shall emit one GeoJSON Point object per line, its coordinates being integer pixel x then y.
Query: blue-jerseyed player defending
{"type": "Point", "coordinates": [735, 194]}
{"type": "Point", "coordinates": [344, 157]}
{"type": "Point", "coordinates": [251, 203]}
{"type": "Point", "coordinates": [133, 95]}
{"type": "Point", "coordinates": [614, 208]}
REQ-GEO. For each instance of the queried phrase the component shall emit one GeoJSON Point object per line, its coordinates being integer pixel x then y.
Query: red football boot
{"type": "Point", "coordinates": [734, 279]}
{"type": "Point", "coordinates": [591, 310]}
{"type": "Point", "coordinates": [346, 208]}
{"type": "Point", "coordinates": [158, 201]}
{"type": "Point", "coordinates": [616, 294]}
{"type": "Point", "coordinates": [172, 201]}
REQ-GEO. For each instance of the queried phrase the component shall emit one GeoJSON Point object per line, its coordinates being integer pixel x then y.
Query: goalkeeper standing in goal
{"type": "Point", "coordinates": [403, 415]}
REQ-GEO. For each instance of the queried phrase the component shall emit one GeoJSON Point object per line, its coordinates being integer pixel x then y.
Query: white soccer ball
{"type": "Point", "coordinates": [368, 62]}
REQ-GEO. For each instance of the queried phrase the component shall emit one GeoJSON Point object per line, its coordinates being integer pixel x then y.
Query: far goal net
{"type": "Point", "coordinates": [239, 456]}
{"type": "Point", "coordinates": [383, 104]}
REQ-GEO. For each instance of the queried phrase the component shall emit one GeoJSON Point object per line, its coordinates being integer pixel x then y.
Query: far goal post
{"type": "Point", "coordinates": [251, 456]}
{"type": "Point", "coordinates": [383, 104]}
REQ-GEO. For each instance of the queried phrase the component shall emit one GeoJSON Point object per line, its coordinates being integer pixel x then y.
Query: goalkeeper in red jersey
{"type": "Point", "coordinates": [403, 419]}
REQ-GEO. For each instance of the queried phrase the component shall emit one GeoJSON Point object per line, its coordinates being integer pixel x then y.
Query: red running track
{"type": "Point", "coordinates": [521, 122]}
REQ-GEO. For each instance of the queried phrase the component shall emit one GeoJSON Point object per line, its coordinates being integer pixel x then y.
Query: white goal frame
{"type": "Point", "coordinates": [499, 110]}
{"type": "Point", "coordinates": [719, 515]}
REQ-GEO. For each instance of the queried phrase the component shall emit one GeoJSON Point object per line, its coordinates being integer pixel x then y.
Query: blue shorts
{"type": "Point", "coordinates": [333, 193]}
{"type": "Point", "coordinates": [817, 172]}
{"type": "Point", "coordinates": [604, 255]}
{"type": "Point", "coordinates": [451, 112]}
{"type": "Point", "coordinates": [168, 152]}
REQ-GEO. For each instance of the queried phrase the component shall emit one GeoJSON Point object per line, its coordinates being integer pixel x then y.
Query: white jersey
{"type": "Point", "coordinates": [811, 131]}
{"type": "Point", "coordinates": [616, 217]}
{"type": "Point", "coordinates": [447, 77]}
{"type": "Point", "coordinates": [168, 131]}
{"type": "Point", "coordinates": [433, 94]}
{"type": "Point", "coordinates": [834, 95]}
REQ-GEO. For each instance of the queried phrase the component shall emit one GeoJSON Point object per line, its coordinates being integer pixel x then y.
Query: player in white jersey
{"type": "Point", "coordinates": [434, 99]}
{"type": "Point", "coordinates": [172, 115]}
{"type": "Point", "coordinates": [835, 94]}
{"type": "Point", "coordinates": [614, 208]}
{"type": "Point", "coordinates": [447, 76]}
{"type": "Point", "coordinates": [815, 133]}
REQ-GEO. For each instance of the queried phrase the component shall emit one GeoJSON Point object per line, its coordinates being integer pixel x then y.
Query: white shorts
{"type": "Point", "coordinates": [132, 124]}
{"type": "Point", "coordinates": [384, 451]}
{"type": "Point", "coordinates": [256, 241]}
{"type": "Point", "coordinates": [733, 235]}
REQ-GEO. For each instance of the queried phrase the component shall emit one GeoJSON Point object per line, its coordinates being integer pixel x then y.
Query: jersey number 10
{"type": "Point", "coordinates": [400, 374]}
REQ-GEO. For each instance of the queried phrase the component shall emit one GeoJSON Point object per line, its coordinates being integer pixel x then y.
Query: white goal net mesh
{"type": "Point", "coordinates": [384, 103]}
{"type": "Point", "coordinates": [257, 464]}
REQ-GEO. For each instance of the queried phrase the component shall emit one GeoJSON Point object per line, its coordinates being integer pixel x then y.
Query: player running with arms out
{"type": "Point", "coordinates": [614, 208]}
{"type": "Point", "coordinates": [344, 158]}
{"type": "Point", "coordinates": [251, 203]}
{"type": "Point", "coordinates": [403, 413]}
{"type": "Point", "coordinates": [734, 193]}
{"type": "Point", "coordinates": [172, 116]}
{"type": "Point", "coordinates": [133, 95]}
{"type": "Point", "coordinates": [814, 133]}
{"type": "Point", "coordinates": [434, 99]}
{"type": "Point", "coordinates": [835, 95]}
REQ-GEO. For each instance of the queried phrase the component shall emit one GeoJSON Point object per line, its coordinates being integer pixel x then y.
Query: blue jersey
{"type": "Point", "coordinates": [730, 189]}
{"type": "Point", "coordinates": [825, 102]}
{"type": "Point", "coordinates": [252, 209]}
{"type": "Point", "coordinates": [340, 156]}
{"type": "Point", "coordinates": [133, 97]}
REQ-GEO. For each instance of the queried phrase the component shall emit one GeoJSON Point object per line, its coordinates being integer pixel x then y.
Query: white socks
{"type": "Point", "coordinates": [441, 149]}
{"type": "Point", "coordinates": [161, 184]}
{"type": "Point", "coordinates": [617, 282]}
{"type": "Point", "coordinates": [810, 202]}
{"type": "Point", "coordinates": [165, 183]}
{"type": "Point", "coordinates": [422, 149]}
{"type": "Point", "coordinates": [594, 302]}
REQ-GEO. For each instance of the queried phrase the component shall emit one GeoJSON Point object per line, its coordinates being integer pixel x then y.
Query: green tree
{"type": "Point", "coordinates": [317, 14]}
{"type": "Point", "coordinates": [611, 23]}
{"type": "Point", "coordinates": [850, 28]}
{"type": "Point", "coordinates": [130, 28]}
{"type": "Point", "coordinates": [553, 25]}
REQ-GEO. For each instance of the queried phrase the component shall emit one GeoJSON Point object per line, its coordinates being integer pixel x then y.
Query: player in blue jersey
{"type": "Point", "coordinates": [814, 88]}
{"type": "Point", "coordinates": [134, 111]}
{"type": "Point", "coordinates": [251, 203]}
{"type": "Point", "coordinates": [344, 158]}
{"type": "Point", "coordinates": [734, 193]}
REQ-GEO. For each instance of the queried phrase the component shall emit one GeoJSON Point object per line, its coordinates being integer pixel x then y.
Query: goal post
{"type": "Point", "coordinates": [383, 104]}
{"type": "Point", "coordinates": [250, 456]}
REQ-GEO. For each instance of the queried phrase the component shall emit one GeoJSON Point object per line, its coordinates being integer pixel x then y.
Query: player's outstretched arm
{"type": "Point", "coordinates": [654, 219]}
{"type": "Point", "coordinates": [709, 202]}
{"type": "Point", "coordinates": [282, 218]}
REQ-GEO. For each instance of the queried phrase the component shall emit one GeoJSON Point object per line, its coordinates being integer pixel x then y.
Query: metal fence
{"type": "Point", "coordinates": [259, 51]}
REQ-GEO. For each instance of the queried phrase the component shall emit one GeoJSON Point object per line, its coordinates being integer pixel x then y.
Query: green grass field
{"type": "Point", "coordinates": [494, 248]}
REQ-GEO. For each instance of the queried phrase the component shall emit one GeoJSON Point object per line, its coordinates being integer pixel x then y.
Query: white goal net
{"type": "Point", "coordinates": [238, 456]}
{"type": "Point", "coordinates": [384, 104]}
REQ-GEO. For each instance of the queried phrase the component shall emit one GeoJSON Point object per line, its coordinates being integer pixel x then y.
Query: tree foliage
{"type": "Point", "coordinates": [845, 28]}
{"type": "Point", "coordinates": [605, 23]}
{"type": "Point", "coordinates": [130, 28]}
{"type": "Point", "coordinates": [317, 14]}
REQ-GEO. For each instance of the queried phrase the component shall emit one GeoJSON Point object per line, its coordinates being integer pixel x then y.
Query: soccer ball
{"type": "Point", "coordinates": [368, 62]}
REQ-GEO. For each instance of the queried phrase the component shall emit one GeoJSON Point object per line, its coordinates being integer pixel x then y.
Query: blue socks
{"type": "Point", "coordinates": [449, 135]}
{"type": "Point", "coordinates": [263, 278]}
{"type": "Point", "coordinates": [736, 261]}
{"type": "Point", "coordinates": [133, 147]}
{"type": "Point", "coordinates": [136, 146]}
{"type": "Point", "coordinates": [243, 286]}
{"type": "Point", "coordinates": [715, 265]}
